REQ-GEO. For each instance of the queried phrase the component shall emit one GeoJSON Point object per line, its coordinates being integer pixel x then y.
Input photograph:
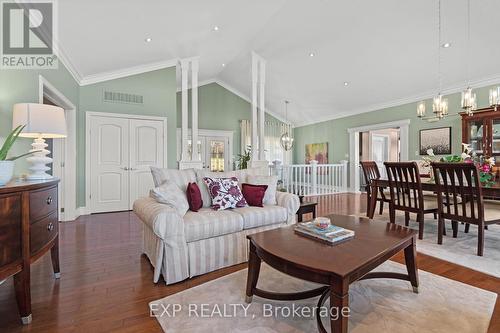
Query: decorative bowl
{"type": "Point", "coordinates": [322, 222]}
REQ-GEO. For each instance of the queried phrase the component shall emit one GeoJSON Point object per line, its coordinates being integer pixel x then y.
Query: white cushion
{"type": "Point", "coordinates": [260, 216]}
{"type": "Point", "coordinates": [271, 182]}
{"type": "Point", "coordinates": [169, 193]}
{"type": "Point", "coordinates": [179, 177]}
{"type": "Point", "coordinates": [208, 223]}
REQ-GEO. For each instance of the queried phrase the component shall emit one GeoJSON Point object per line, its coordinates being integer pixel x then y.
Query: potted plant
{"type": "Point", "coordinates": [7, 164]}
{"type": "Point", "coordinates": [243, 159]}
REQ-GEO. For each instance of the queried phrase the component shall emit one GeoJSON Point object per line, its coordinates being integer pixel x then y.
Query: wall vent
{"type": "Point", "coordinates": [118, 97]}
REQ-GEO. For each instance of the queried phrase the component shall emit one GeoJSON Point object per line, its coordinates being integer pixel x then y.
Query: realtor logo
{"type": "Point", "coordinates": [28, 30]}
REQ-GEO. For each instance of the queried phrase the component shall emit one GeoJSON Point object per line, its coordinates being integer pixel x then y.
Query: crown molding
{"type": "Point", "coordinates": [63, 58]}
{"type": "Point", "coordinates": [201, 83]}
{"type": "Point", "coordinates": [238, 93]}
{"type": "Point", "coordinates": [121, 73]}
{"type": "Point", "coordinates": [456, 88]}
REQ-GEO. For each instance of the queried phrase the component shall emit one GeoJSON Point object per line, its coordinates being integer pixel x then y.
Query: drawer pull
{"type": "Point", "coordinates": [50, 227]}
{"type": "Point", "coordinates": [49, 200]}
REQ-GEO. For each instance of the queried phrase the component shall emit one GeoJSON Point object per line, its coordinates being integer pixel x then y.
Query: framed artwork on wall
{"type": "Point", "coordinates": [437, 139]}
{"type": "Point", "coordinates": [318, 152]}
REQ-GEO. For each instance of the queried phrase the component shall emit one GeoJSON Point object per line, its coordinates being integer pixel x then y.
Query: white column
{"type": "Point", "coordinates": [255, 73]}
{"type": "Point", "coordinates": [258, 113]}
{"type": "Point", "coordinates": [262, 109]}
{"type": "Point", "coordinates": [189, 160]}
{"type": "Point", "coordinates": [184, 109]}
{"type": "Point", "coordinates": [194, 110]}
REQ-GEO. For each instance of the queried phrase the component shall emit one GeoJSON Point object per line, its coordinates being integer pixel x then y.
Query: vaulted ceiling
{"type": "Point", "coordinates": [386, 50]}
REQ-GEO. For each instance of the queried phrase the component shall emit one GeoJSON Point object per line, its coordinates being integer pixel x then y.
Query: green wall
{"type": "Point", "coordinates": [18, 86]}
{"type": "Point", "coordinates": [335, 131]}
{"type": "Point", "coordinates": [220, 109]}
{"type": "Point", "coordinates": [158, 89]}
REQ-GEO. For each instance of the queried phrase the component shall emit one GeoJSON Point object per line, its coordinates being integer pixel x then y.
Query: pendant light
{"type": "Point", "coordinates": [468, 97]}
{"type": "Point", "coordinates": [286, 140]}
{"type": "Point", "coordinates": [495, 97]}
{"type": "Point", "coordinates": [439, 103]}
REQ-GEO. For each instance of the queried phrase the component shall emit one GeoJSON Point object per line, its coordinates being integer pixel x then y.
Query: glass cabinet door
{"type": "Point", "coordinates": [477, 133]}
{"type": "Point", "coordinates": [495, 137]}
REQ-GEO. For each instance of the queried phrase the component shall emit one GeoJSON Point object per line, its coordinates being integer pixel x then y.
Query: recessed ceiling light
{"type": "Point", "coordinates": [446, 45]}
{"type": "Point", "coordinates": [223, 65]}
{"type": "Point", "coordinates": [216, 28]}
{"type": "Point", "coordinates": [311, 54]}
{"type": "Point", "coordinates": [346, 83]}
{"type": "Point", "coordinates": [147, 40]}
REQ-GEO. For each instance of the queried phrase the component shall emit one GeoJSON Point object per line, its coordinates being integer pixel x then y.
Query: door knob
{"type": "Point", "coordinates": [125, 168]}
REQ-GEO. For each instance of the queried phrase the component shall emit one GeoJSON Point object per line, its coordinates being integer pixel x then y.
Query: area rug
{"type": "Point", "coordinates": [379, 305]}
{"type": "Point", "coordinates": [461, 250]}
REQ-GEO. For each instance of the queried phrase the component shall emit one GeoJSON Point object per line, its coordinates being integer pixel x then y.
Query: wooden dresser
{"type": "Point", "coordinates": [28, 229]}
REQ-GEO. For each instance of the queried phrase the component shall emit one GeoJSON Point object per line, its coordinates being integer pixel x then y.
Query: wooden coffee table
{"type": "Point", "coordinates": [335, 266]}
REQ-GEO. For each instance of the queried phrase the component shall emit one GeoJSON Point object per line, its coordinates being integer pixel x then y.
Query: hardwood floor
{"type": "Point", "coordinates": [106, 283]}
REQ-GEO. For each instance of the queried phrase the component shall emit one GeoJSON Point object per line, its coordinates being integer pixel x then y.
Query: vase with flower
{"type": "Point", "coordinates": [484, 164]}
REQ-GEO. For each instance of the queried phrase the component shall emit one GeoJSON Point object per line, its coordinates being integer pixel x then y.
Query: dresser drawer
{"type": "Point", "coordinates": [42, 232]}
{"type": "Point", "coordinates": [42, 203]}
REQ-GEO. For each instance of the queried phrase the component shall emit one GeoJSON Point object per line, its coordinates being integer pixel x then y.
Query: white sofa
{"type": "Point", "coordinates": [180, 247]}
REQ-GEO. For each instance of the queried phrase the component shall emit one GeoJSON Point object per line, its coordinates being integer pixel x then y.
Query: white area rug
{"type": "Point", "coordinates": [379, 305]}
{"type": "Point", "coordinates": [461, 250]}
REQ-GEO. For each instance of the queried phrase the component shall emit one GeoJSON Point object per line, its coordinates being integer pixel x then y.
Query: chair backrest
{"type": "Point", "coordinates": [459, 192]}
{"type": "Point", "coordinates": [370, 171]}
{"type": "Point", "coordinates": [405, 186]}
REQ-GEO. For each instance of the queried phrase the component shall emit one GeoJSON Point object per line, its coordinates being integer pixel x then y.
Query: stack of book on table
{"type": "Point", "coordinates": [332, 234]}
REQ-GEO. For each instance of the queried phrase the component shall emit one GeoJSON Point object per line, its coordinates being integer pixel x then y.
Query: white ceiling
{"type": "Point", "coordinates": [385, 49]}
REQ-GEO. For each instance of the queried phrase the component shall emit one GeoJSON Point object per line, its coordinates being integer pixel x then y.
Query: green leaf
{"type": "Point", "coordinates": [10, 141]}
{"type": "Point", "coordinates": [22, 155]}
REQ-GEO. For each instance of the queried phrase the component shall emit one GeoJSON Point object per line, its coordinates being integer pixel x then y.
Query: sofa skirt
{"type": "Point", "coordinates": [208, 255]}
{"type": "Point", "coordinates": [204, 256]}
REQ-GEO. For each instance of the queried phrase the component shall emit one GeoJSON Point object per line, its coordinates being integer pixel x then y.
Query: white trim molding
{"type": "Point", "coordinates": [404, 133]}
{"type": "Point", "coordinates": [453, 89]}
{"type": "Point", "coordinates": [64, 155]}
{"type": "Point", "coordinates": [124, 72]}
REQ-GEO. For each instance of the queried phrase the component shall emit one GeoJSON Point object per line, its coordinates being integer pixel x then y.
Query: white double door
{"type": "Point", "coordinates": [121, 152]}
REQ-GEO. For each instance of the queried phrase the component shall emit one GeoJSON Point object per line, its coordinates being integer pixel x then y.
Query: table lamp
{"type": "Point", "coordinates": [42, 122]}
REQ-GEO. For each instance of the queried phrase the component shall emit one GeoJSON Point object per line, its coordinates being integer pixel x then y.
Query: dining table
{"type": "Point", "coordinates": [492, 191]}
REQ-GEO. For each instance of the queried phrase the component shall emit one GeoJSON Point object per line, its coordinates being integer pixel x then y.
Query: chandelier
{"type": "Point", "coordinates": [495, 97]}
{"type": "Point", "coordinates": [468, 97]}
{"type": "Point", "coordinates": [286, 140]}
{"type": "Point", "coordinates": [439, 103]}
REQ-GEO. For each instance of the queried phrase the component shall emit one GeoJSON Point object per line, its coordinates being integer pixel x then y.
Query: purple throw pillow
{"type": "Point", "coordinates": [225, 193]}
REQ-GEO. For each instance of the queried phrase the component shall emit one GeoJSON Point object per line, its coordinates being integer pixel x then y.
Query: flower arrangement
{"type": "Point", "coordinates": [427, 160]}
{"type": "Point", "coordinates": [484, 164]}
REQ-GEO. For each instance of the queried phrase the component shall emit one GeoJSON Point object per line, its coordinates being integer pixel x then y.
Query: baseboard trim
{"type": "Point", "coordinates": [83, 211]}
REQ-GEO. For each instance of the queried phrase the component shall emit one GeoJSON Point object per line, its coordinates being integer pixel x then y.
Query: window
{"type": "Point", "coordinates": [272, 131]}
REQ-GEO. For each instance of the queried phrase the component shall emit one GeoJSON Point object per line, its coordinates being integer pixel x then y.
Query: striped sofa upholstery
{"type": "Point", "coordinates": [180, 247]}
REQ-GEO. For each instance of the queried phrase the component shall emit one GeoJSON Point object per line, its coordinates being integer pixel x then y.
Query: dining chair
{"type": "Point", "coordinates": [460, 199]}
{"type": "Point", "coordinates": [370, 172]}
{"type": "Point", "coordinates": [407, 195]}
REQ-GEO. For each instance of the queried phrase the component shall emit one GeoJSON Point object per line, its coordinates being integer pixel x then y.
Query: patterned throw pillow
{"type": "Point", "coordinates": [225, 193]}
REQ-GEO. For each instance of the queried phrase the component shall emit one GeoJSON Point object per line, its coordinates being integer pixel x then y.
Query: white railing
{"type": "Point", "coordinates": [312, 179]}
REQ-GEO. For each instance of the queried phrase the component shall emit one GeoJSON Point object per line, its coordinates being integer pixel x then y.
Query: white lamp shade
{"type": "Point", "coordinates": [41, 120]}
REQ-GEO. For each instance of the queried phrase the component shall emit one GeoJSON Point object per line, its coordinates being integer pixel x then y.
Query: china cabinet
{"type": "Point", "coordinates": [482, 131]}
